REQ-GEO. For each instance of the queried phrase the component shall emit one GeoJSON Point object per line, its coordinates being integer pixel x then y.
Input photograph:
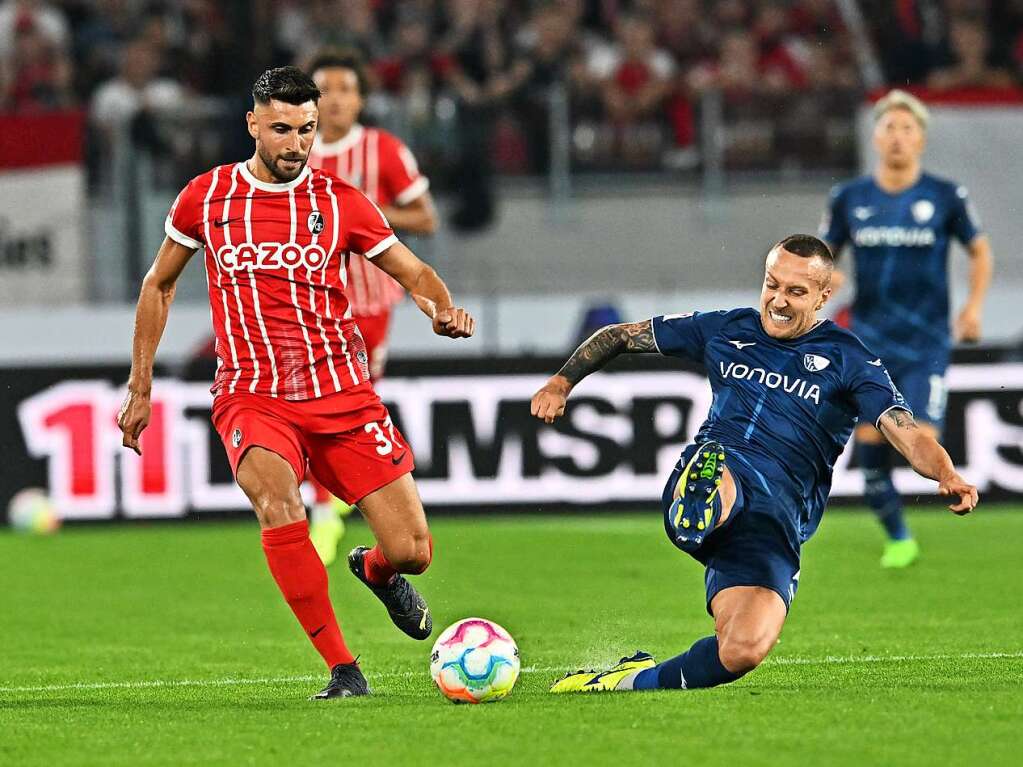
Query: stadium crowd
{"type": "Point", "coordinates": [634, 71]}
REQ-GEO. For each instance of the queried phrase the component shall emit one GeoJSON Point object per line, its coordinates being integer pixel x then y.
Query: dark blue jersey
{"type": "Point", "coordinates": [900, 245]}
{"type": "Point", "coordinates": [785, 408]}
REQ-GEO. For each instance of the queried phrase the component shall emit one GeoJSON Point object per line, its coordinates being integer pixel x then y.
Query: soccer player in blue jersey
{"type": "Point", "coordinates": [899, 223]}
{"type": "Point", "coordinates": [788, 390]}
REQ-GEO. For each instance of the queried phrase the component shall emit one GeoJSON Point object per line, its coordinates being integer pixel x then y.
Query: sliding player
{"type": "Point", "coordinates": [742, 500]}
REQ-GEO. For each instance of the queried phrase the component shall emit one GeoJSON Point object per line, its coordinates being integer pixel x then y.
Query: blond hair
{"type": "Point", "coordinates": [900, 99]}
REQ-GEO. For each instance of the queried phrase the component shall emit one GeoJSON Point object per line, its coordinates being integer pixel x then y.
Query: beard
{"type": "Point", "coordinates": [281, 173]}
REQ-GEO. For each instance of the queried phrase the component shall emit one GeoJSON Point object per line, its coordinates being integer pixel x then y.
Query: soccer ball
{"type": "Point", "coordinates": [30, 511]}
{"type": "Point", "coordinates": [474, 661]}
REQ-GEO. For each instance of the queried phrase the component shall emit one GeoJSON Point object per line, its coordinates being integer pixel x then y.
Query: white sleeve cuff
{"type": "Point", "coordinates": [653, 334]}
{"type": "Point", "coordinates": [412, 192]}
{"type": "Point", "coordinates": [877, 423]}
{"type": "Point", "coordinates": [180, 237]}
{"type": "Point", "coordinates": [381, 246]}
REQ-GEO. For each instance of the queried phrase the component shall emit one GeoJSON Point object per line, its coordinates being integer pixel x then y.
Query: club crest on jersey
{"type": "Point", "coordinates": [236, 437]}
{"type": "Point", "coordinates": [923, 211]}
{"type": "Point", "coordinates": [362, 357]}
{"type": "Point", "coordinates": [815, 362]}
{"type": "Point", "coordinates": [315, 222]}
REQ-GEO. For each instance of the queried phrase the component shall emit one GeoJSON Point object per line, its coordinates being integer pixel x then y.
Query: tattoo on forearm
{"type": "Point", "coordinates": [606, 344]}
{"type": "Point", "coordinates": [901, 419]}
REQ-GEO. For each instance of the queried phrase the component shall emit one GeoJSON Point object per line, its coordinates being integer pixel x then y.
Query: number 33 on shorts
{"type": "Point", "coordinates": [385, 435]}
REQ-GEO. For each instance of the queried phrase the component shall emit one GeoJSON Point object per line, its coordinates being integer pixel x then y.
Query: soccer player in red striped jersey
{"type": "Point", "coordinates": [292, 390]}
{"type": "Point", "coordinates": [379, 164]}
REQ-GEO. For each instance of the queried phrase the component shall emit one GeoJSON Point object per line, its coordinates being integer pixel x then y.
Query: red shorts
{"type": "Point", "coordinates": [346, 440]}
{"type": "Point", "coordinates": [374, 332]}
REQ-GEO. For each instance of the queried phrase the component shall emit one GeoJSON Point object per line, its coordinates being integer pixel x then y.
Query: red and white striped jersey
{"type": "Point", "coordinates": [379, 164]}
{"type": "Point", "coordinates": [276, 266]}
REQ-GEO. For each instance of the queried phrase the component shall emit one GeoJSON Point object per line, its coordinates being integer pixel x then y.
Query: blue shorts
{"type": "Point", "coordinates": [754, 547]}
{"type": "Point", "coordinates": [923, 386]}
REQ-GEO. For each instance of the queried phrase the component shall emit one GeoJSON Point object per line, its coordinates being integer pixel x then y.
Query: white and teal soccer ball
{"type": "Point", "coordinates": [475, 661]}
{"type": "Point", "coordinates": [30, 511]}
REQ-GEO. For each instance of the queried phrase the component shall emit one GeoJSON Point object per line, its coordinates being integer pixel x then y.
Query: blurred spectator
{"type": "Point", "coordinates": [969, 64]}
{"type": "Point", "coordinates": [684, 31]}
{"type": "Point", "coordinates": [741, 71]}
{"type": "Point", "coordinates": [47, 21]}
{"type": "Point", "coordinates": [138, 88]}
{"type": "Point", "coordinates": [482, 76]}
{"type": "Point", "coordinates": [98, 39]}
{"type": "Point", "coordinates": [549, 55]}
{"type": "Point", "coordinates": [36, 73]}
{"type": "Point", "coordinates": [634, 74]}
{"type": "Point", "coordinates": [314, 24]}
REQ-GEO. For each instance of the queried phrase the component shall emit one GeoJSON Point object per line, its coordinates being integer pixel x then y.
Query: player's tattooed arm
{"type": "Point", "coordinates": [927, 457]}
{"type": "Point", "coordinates": [593, 354]}
{"type": "Point", "coordinates": [606, 344]}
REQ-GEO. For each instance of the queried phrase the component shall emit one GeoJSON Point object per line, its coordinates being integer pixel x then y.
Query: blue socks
{"type": "Point", "coordinates": [879, 489]}
{"type": "Point", "coordinates": [699, 667]}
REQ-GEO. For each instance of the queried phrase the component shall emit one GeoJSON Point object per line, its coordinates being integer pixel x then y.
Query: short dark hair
{"type": "Point", "coordinates": [808, 246]}
{"type": "Point", "coordinates": [288, 84]}
{"type": "Point", "coordinates": [331, 58]}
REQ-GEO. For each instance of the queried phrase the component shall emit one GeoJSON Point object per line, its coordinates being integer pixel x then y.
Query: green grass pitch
{"type": "Point", "coordinates": [169, 644]}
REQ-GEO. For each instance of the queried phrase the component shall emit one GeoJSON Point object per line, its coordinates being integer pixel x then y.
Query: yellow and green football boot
{"type": "Point", "coordinates": [604, 681]}
{"type": "Point", "coordinates": [695, 511]}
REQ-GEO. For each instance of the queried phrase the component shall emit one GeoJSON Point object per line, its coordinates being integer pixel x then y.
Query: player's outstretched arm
{"type": "Point", "coordinates": [927, 457]}
{"type": "Point", "coordinates": [155, 299]}
{"type": "Point", "coordinates": [593, 354]}
{"type": "Point", "coordinates": [428, 291]}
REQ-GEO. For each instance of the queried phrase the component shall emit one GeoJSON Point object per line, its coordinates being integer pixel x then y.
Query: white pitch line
{"type": "Point", "coordinates": [233, 682]}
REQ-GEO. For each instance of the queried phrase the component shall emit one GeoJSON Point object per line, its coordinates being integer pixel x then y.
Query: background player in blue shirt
{"type": "Point", "coordinates": [900, 223]}
{"type": "Point", "coordinates": [788, 389]}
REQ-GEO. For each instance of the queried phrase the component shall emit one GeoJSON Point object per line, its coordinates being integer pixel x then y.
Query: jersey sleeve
{"type": "Point", "coordinates": [834, 226]}
{"type": "Point", "coordinates": [184, 221]}
{"type": "Point", "coordinates": [685, 335]}
{"type": "Point", "coordinates": [963, 222]}
{"type": "Point", "coordinates": [873, 389]}
{"type": "Point", "coordinates": [366, 228]}
{"type": "Point", "coordinates": [399, 173]}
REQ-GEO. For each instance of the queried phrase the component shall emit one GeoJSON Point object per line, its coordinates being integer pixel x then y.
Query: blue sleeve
{"type": "Point", "coordinates": [963, 222]}
{"type": "Point", "coordinates": [834, 228]}
{"type": "Point", "coordinates": [686, 335]}
{"type": "Point", "coordinates": [873, 389]}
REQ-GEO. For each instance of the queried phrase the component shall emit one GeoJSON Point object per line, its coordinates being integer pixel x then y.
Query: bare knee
{"type": "Point", "coordinates": [272, 511]}
{"type": "Point", "coordinates": [275, 498]}
{"type": "Point", "coordinates": [412, 554]}
{"type": "Point", "coordinates": [741, 654]}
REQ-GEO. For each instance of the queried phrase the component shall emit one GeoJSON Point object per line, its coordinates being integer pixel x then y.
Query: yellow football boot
{"type": "Point", "coordinates": [604, 681]}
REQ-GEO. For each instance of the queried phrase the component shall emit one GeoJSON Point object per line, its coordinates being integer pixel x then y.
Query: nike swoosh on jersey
{"type": "Point", "coordinates": [876, 363]}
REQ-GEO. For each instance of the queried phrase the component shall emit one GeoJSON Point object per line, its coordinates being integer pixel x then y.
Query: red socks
{"type": "Point", "coordinates": [302, 579]}
{"type": "Point", "coordinates": [378, 570]}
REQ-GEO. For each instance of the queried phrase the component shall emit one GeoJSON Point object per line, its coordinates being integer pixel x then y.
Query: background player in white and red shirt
{"type": "Point", "coordinates": [293, 390]}
{"type": "Point", "coordinates": [379, 164]}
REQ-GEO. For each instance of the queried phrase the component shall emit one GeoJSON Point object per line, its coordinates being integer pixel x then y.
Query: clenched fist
{"type": "Point", "coordinates": [549, 402]}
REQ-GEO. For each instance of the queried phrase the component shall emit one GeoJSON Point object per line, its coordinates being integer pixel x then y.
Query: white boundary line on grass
{"type": "Point", "coordinates": [232, 682]}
